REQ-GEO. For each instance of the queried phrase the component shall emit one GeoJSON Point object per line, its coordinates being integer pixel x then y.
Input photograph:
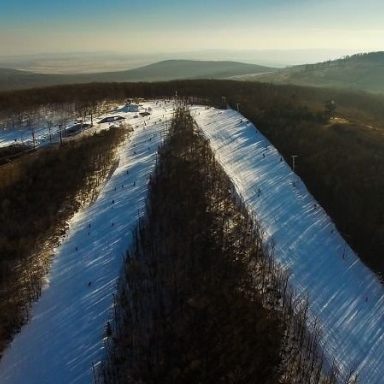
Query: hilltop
{"type": "Point", "coordinates": [304, 239]}
{"type": "Point", "coordinates": [363, 72]}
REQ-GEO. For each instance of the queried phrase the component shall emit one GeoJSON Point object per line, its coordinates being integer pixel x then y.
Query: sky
{"type": "Point", "coordinates": [156, 26]}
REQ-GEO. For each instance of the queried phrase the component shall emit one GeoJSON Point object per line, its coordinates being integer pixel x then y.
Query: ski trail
{"type": "Point", "coordinates": [346, 296]}
{"type": "Point", "coordinates": [64, 335]}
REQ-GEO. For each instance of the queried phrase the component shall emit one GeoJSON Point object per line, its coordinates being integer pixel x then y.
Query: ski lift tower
{"type": "Point", "coordinates": [293, 168]}
{"type": "Point", "coordinates": [60, 126]}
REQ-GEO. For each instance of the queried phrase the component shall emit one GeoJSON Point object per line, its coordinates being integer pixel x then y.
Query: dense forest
{"type": "Point", "coordinates": [342, 164]}
{"type": "Point", "coordinates": [341, 161]}
{"type": "Point", "coordinates": [39, 192]}
{"type": "Point", "coordinates": [199, 299]}
{"type": "Point", "coordinates": [263, 96]}
{"type": "Point", "coordinates": [360, 72]}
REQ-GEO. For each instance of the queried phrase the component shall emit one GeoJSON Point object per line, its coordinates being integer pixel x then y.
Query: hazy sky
{"type": "Point", "coordinates": [37, 26]}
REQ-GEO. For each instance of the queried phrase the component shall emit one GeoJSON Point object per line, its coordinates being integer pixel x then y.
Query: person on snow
{"type": "Point", "coordinates": [108, 329]}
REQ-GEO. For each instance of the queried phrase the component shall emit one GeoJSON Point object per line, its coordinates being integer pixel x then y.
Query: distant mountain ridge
{"type": "Point", "coordinates": [161, 71]}
{"type": "Point", "coordinates": [363, 72]}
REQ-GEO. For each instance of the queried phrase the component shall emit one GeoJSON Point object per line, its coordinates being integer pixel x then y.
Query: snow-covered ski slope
{"type": "Point", "coordinates": [346, 296]}
{"type": "Point", "coordinates": [65, 334]}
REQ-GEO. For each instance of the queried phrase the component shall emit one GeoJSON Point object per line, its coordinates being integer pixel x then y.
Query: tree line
{"type": "Point", "coordinates": [341, 164]}
{"type": "Point", "coordinates": [264, 95]}
{"type": "Point", "coordinates": [39, 192]}
{"type": "Point", "coordinates": [200, 299]}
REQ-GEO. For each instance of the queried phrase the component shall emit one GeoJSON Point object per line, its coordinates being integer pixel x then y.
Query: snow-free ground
{"type": "Point", "coordinates": [65, 334]}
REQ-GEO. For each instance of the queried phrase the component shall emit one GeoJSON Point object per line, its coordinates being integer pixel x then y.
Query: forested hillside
{"type": "Point", "coordinates": [364, 72]}
{"type": "Point", "coordinates": [39, 191]}
{"type": "Point", "coordinates": [199, 299]}
{"type": "Point", "coordinates": [340, 160]}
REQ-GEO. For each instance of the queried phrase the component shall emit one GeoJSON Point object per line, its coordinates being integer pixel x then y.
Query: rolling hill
{"type": "Point", "coordinates": [70, 317]}
{"type": "Point", "coordinates": [161, 71]}
{"type": "Point", "coordinates": [359, 72]}
{"type": "Point", "coordinates": [16, 79]}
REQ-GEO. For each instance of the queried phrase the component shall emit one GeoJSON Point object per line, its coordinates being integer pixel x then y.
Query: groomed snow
{"type": "Point", "coordinates": [65, 334]}
{"type": "Point", "coordinates": [306, 242]}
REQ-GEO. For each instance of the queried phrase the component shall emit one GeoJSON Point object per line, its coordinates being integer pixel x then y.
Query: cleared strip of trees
{"type": "Point", "coordinates": [341, 162]}
{"type": "Point", "coordinates": [200, 298]}
{"type": "Point", "coordinates": [39, 192]}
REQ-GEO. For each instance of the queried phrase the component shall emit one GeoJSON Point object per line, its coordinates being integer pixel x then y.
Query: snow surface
{"type": "Point", "coordinates": [24, 136]}
{"type": "Point", "coordinates": [42, 138]}
{"type": "Point", "coordinates": [307, 242]}
{"type": "Point", "coordinates": [65, 334]}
